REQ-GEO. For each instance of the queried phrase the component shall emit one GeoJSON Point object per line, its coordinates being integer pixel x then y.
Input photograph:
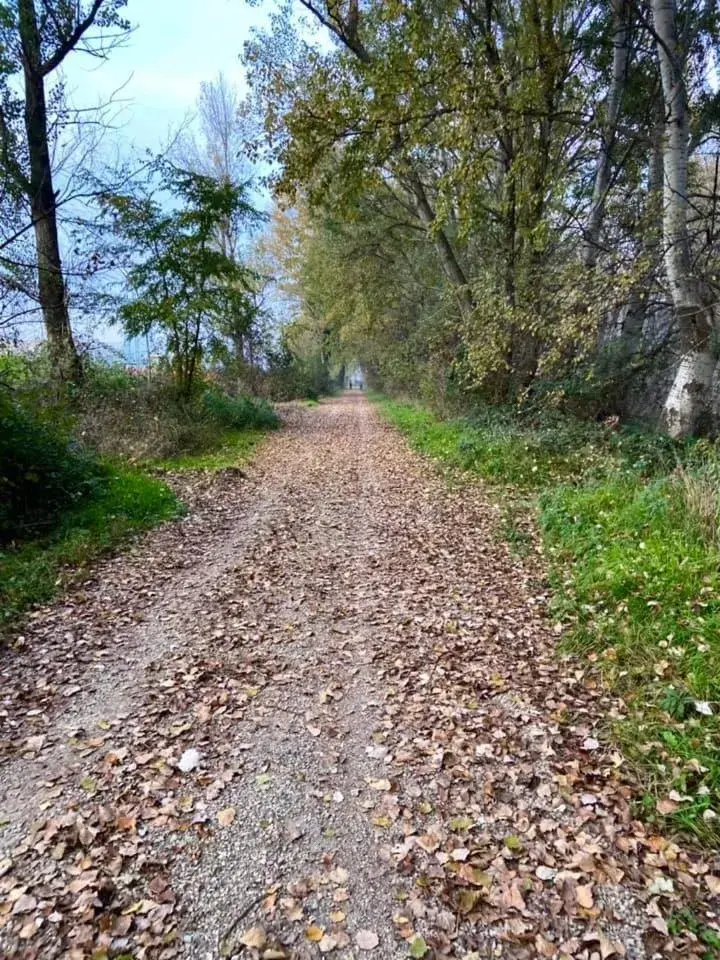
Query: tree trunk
{"type": "Point", "coordinates": [448, 261]}
{"type": "Point", "coordinates": [687, 406]}
{"type": "Point", "coordinates": [621, 58]}
{"type": "Point", "coordinates": [51, 283]}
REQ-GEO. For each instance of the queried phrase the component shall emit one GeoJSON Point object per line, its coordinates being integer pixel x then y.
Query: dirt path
{"type": "Point", "coordinates": [391, 758]}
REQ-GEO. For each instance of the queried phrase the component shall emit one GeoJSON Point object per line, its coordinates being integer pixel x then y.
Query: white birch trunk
{"type": "Point", "coordinates": [688, 402]}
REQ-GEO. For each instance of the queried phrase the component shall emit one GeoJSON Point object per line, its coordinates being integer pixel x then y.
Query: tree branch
{"type": "Point", "coordinates": [69, 42]}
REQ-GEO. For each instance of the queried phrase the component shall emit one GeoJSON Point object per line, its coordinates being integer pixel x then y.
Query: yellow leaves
{"type": "Point", "coordinates": [461, 824]}
{"type": "Point", "coordinates": [584, 896]}
{"type": "Point", "coordinates": [314, 933]}
{"type": "Point", "coordinates": [513, 844]}
{"type": "Point", "coordinates": [468, 899]}
{"type": "Point", "coordinates": [380, 785]}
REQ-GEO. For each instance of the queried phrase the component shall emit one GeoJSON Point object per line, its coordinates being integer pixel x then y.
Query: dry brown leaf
{"type": "Point", "coordinates": [226, 817]}
{"type": "Point", "coordinates": [254, 937]}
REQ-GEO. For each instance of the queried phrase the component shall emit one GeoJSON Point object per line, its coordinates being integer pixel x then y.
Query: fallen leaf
{"type": "Point", "coordinates": [366, 939]}
{"type": "Point", "coordinates": [254, 937]}
{"type": "Point", "coordinates": [418, 947]}
{"type": "Point", "coordinates": [226, 817]}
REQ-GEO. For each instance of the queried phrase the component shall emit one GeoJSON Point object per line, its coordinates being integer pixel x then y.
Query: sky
{"type": "Point", "coordinates": [175, 46]}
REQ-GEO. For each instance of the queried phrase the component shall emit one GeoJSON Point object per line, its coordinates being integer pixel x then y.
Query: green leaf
{"type": "Point", "coordinates": [418, 947]}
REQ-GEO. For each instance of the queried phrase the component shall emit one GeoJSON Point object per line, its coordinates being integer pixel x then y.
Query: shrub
{"type": "Point", "coordinates": [42, 473]}
{"type": "Point", "coordinates": [237, 413]}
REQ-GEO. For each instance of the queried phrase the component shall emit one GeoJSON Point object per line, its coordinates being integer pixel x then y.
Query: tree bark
{"type": "Point", "coordinates": [51, 282]}
{"type": "Point", "coordinates": [448, 261]}
{"type": "Point", "coordinates": [621, 60]}
{"type": "Point", "coordinates": [687, 406]}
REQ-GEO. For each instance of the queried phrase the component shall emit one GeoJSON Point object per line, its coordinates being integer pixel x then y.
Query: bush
{"type": "Point", "coordinates": [42, 473]}
{"type": "Point", "coordinates": [237, 413]}
{"type": "Point", "coordinates": [128, 414]}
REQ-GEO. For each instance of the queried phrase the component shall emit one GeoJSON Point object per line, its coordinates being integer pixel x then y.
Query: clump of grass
{"type": "Point", "coordinates": [629, 523]}
{"type": "Point", "coordinates": [701, 491]}
{"type": "Point", "coordinates": [34, 571]}
{"type": "Point", "coordinates": [237, 413]}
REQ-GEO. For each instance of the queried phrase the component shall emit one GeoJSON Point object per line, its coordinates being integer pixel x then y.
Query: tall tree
{"type": "Point", "coordinates": [218, 150]}
{"type": "Point", "coordinates": [688, 402]}
{"type": "Point", "coordinates": [37, 38]}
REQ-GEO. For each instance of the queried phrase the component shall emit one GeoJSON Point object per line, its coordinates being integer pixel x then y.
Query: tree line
{"type": "Point", "coordinates": [502, 199]}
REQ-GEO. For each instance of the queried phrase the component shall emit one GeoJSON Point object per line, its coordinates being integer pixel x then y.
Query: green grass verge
{"type": "Point", "coordinates": [35, 571]}
{"type": "Point", "coordinates": [635, 576]}
{"type": "Point", "coordinates": [235, 448]}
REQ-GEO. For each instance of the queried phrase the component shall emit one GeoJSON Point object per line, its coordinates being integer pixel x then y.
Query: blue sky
{"type": "Point", "coordinates": [176, 45]}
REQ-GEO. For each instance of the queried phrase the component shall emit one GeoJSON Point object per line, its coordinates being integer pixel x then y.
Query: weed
{"type": "Point", "coordinates": [683, 920]}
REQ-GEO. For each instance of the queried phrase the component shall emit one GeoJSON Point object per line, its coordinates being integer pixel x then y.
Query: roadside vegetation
{"type": "Point", "coordinates": [630, 525]}
{"type": "Point", "coordinates": [78, 465]}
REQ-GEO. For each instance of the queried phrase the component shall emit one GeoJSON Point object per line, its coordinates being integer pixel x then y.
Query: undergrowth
{"type": "Point", "coordinates": [73, 478]}
{"type": "Point", "coordinates": [629, 524]}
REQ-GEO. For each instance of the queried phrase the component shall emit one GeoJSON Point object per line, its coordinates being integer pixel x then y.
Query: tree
{"type": "Point", "coordinates": [687, 405]}
{"type": "Point", "coordinates": [218, 150]}
{"type": "Point", "coordinates": [517, 140]}
{"type": "Point", "coordinates": [180, 283]}
{"type": "Point", "coordinates": [36, 43]}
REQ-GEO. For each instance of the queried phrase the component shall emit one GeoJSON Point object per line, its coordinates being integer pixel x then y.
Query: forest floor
{"type": "Point", "coordinates": [323, 714]}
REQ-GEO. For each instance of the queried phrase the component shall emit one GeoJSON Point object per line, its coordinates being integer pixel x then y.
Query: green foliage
{"type": "Point", "coordinates": [640, 585]}
{"type": "Point", "coordinates": [683, 920]}
{"type": "Point", "coordinates": [42, 472]}
{"type": "Point", "coordinates": [232, 449]}
{"type": "Point", "coordinates": [238, 413]}
{"type": "Point", "coordinates": [635, 570]}
{"type": "Point", "coordinates": [34, 571]}
{"type": "Point", "coordinates": [181, 283]}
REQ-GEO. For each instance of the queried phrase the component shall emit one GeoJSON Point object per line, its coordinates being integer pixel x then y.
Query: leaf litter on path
{"type": "Point", "coordinates": [480, 814]}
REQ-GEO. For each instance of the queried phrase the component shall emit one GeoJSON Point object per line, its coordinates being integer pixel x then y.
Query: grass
{"type": "Point", "coordinates": [235, 448]}
{"type": "Point", "coordinates": [129, 501]}
{"type": "Point", "coordinates": [34, 571]}
{"type": "Point", "coordinates": [628, 522]}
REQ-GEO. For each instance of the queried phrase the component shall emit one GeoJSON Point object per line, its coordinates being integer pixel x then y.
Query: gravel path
{"type": "Point", "coordinates": [322, 715]}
